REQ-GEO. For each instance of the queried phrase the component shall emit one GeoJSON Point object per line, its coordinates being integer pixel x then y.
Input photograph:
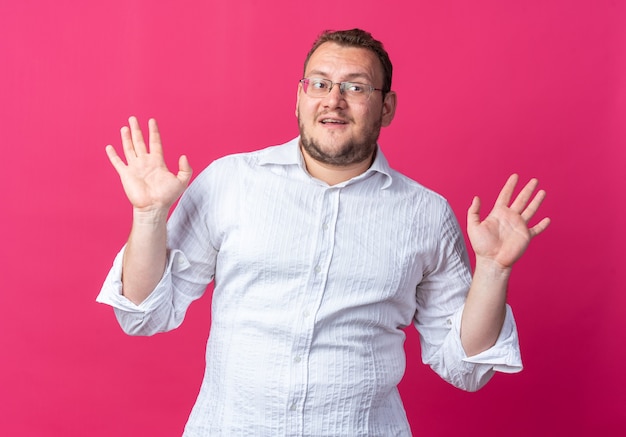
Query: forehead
{"type": "Point", "coordinates": [344, 62]}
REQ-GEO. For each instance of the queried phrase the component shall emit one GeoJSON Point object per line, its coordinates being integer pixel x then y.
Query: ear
{"type": "Point", "coordinates": [389, 108]}
{"type": "Point", "coordinates": [300, 91]}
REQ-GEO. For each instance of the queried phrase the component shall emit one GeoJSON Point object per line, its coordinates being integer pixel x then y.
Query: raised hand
{"type": "Point", "coordinates": [148, 183]}
{"type": "Point", "coordinates": [504, 235]}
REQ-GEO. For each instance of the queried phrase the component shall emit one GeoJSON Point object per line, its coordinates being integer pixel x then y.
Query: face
{"type": "Point", "coordinates": [336, 131]}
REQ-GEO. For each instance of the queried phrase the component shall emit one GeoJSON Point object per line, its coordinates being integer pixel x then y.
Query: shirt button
{"type": "Point", "coordinates": [449, 322]}
{"type": "Point", "coordinates": [317, 269]}
{"type": "Point", "coordinates": [293, 407]}
{"type": "Point", "coordinates": [306, 313]}
{"type": "Point", "coordinates": [297, 359]}
{"type": "Point", "coordinates": [325, 227]}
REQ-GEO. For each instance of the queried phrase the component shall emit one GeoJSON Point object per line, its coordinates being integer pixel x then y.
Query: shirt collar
{"type": "Point", "coordinates": [290, 154]}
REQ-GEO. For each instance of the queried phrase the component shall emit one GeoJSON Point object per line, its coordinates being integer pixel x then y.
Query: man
{"type": "Point", "coordinates": [321, 255]}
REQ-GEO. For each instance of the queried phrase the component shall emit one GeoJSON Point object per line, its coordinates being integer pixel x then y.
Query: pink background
{"type": "Point", "coordinates": [485, 88]}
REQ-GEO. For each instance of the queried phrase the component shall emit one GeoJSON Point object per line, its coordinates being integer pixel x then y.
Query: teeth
{"type": "Point", "coordinates": [332, 121]}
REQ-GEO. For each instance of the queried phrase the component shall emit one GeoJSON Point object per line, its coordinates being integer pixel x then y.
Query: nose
{"type": "Point", "coordinates": [335, 97]}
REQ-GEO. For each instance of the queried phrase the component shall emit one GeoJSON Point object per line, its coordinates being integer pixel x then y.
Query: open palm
{"type": "Point", "coordinates": [504, 235]}
{"type": "Point", "coordinates": [146, 179]}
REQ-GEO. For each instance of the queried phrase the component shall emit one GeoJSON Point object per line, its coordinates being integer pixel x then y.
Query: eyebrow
{"type": "Point", "coordinates": [349, 77]}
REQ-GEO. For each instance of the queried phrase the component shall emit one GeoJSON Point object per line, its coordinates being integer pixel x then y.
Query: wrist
{"type": "Point", "coordinates": [150, 216]}
{"type": "Point", "coordinates": [492, 268]}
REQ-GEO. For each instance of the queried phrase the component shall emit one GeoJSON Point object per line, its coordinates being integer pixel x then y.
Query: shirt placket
{"type": "Point", "coordinates": [313, 298]}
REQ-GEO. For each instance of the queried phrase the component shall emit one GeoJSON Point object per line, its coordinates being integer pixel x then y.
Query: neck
{"type": "Point", "coordinates": [332, 174]}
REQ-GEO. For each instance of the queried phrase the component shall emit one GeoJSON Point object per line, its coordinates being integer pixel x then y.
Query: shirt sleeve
{"type": "Point", "coordinates": [189, 269]}
{"type": "Point", "coordinates": [440, 301]}
{"type": "Point", "coordinates": [156, 313]}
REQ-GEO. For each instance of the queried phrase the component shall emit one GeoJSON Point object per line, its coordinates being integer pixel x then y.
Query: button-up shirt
{"type": "Point", "coordinates": [313, 288]}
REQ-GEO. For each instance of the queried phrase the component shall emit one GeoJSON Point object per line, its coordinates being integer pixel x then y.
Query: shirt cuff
{"type": "Point", "coordinates": [111, 292]}
{"type": "Point", "coordinates": [504, 356]}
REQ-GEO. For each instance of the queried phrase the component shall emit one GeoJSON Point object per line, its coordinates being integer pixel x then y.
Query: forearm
{"type": "Point", "coordinates": [145, 256]}
{"type": "Point", "coordinates": [485, 307]}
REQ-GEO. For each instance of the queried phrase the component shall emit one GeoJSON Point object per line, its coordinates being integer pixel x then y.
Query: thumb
{"type": "Point", "coordinates": [473, 213]}
{"type": "Point", "coordinates": [184, 170]}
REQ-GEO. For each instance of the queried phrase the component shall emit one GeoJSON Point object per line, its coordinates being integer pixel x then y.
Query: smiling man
{"type": "Point", "coordinates": [321, 254]}
{"type": "Point", "coordinates": [340, 121]}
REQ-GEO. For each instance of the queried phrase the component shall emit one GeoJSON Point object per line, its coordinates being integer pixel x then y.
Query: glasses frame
{"type": "Point", "coordinates": [342, 87]}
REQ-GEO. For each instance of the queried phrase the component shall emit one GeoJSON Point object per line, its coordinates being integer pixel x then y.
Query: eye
{"type": "Point", "coordinates": [318, 84]}
{"type": "Point", "coordinates": [355, 87]}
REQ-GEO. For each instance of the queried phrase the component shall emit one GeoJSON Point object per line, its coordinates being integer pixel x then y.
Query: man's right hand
{"type": "Point", "coordinates": [152, 189]}
{"type": "Point", "coordinates": [148, 183]}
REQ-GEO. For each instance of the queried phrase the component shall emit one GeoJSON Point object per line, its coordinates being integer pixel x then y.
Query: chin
{"type": "Point", "coordinates": [338, 154]}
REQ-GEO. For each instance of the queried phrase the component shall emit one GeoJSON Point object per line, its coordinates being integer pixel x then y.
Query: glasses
{"type": "Point", "coordinates": [354, 91]}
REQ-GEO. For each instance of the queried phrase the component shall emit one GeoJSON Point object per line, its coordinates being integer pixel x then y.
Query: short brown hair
{"type": "Point", "coordinates": [357, 38]}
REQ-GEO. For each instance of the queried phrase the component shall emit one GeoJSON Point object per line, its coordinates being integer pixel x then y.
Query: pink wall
{"type": "Point", "coordinates": [485, 88]}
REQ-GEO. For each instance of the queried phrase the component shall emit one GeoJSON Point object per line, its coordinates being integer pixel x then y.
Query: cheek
{"type": "Point", "coordinates": [366, 114]}
{"type": "Point", "coordinates": [305, 110]}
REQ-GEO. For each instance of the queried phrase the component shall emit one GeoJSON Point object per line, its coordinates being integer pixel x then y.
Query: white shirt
{"type": "Point", "coordinates": [313, 287]}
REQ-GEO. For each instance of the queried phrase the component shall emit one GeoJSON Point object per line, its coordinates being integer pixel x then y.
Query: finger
{"type": "Point", "coordinates": [137, 137]}
{"type": "Point", "coordinates": [533, 206]}
{"type": "Point", "coordinates": [524, 196]}
{"type": "Point", "coordinates": [116, 161]}
{"type": "Point", "coordinates": [184, 170]}
{"type": "Point", "coordinates": [127, 144]}
{"type": "Point", "coordinates": [155, 137]}
{"type": "Point", "coordinates": [507, 191]}
{"type": "Point", "coordinates": [540, 227]}
{"type": "Point", "coordinates": [473, 213]}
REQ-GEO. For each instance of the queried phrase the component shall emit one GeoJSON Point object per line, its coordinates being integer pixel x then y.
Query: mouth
{"type": "Point", "coordinates": [328, 121]}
